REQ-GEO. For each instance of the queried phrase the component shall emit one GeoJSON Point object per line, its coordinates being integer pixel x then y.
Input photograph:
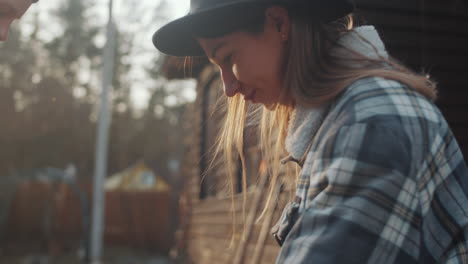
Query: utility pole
{"type": "Point", "coordinates": [100, 169]}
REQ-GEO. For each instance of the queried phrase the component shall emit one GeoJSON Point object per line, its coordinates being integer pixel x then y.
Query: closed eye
{"type": "Point", "coordinates": [228, 59]}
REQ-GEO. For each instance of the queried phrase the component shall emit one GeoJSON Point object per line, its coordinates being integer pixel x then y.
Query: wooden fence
{"type": "Point", "coordinates": [50, 217]}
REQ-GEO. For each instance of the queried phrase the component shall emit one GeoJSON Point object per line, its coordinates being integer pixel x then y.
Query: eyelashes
{"type": "Point", "coordinates": [228, 59]}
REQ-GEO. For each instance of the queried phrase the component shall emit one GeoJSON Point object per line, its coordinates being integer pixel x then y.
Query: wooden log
{"type": "Point", "coordinates": [413, 22]}
{"type": "Point", "coordinates": [430, 8]}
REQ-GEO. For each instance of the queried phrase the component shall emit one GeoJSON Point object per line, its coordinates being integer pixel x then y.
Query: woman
{"type": "Point", "coordinates": [382, 178]}
{"type": "Point", "coordinates": [9, 11]}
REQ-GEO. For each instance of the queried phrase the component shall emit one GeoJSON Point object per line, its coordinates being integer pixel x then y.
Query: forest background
{"type": "Point", "coordinates": [50, 84]}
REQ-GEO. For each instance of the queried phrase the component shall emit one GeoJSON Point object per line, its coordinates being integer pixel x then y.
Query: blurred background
{"type": "Point", "coordinates": [50, 83]}
{"type": "Point", "coordinates": [166, 202]}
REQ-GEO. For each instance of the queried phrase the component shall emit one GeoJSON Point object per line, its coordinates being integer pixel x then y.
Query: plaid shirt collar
{"type": "Point", "coordinates": [306, 121]}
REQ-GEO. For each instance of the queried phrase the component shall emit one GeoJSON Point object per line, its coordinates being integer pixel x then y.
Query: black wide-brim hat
{"type": "Point", "coordinates": [210, 18]}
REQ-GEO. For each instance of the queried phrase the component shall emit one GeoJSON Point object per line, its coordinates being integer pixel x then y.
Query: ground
{"type": "Point", "coordinates": [111, 256]}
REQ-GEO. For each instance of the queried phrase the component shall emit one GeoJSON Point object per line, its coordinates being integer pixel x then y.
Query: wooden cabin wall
{"type": "Point", "coordinates": [426, 35]}
{"type": "Point", "coordinates": [429, 35]}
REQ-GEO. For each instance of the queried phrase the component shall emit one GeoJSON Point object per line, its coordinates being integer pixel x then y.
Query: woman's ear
{"type": "Point", "coordinates": [279, 18]}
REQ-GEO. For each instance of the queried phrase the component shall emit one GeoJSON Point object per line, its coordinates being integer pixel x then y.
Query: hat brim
{"type": "Point", "coordinates": [178, 38]}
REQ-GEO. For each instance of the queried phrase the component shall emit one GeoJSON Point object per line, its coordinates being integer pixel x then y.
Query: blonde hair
{"type": "Point", "coordinates": [313, 75]}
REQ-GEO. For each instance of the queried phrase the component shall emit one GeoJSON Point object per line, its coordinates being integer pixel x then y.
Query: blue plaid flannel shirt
{"type": "Point", "coordinates": [382, 181]}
